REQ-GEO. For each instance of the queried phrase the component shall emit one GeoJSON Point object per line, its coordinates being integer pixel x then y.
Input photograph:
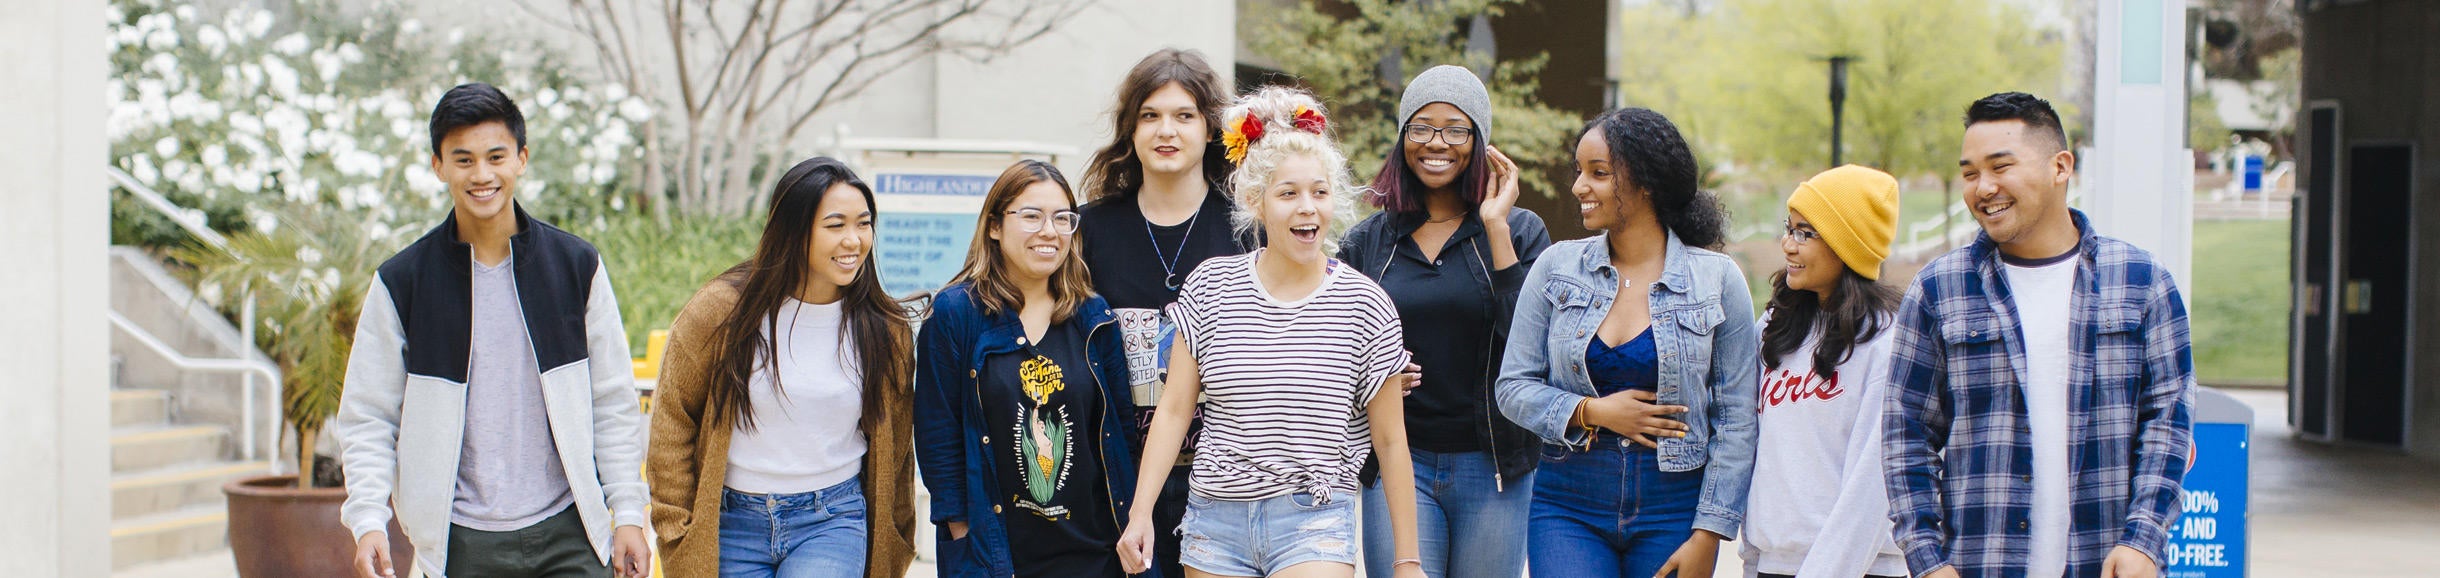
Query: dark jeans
{"type": "Point", "coordinates": [1608, 513]}
{"type": "Point", "coordinates": [555, 547]}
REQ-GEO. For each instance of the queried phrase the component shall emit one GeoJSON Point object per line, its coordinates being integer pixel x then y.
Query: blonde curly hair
{"type": "Point", "coordinates": [1292, 125]}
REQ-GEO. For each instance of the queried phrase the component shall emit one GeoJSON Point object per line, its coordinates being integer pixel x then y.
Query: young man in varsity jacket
{"type": "Point", "coordinates": [489, 403]}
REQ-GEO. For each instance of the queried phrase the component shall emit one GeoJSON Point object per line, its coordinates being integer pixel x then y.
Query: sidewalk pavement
{"type": "Point", "coordinates": [2318, 510]}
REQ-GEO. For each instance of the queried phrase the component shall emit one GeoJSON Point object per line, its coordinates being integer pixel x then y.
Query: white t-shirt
{"type": "Point", "coordinates": [1284, 382]}
{"type": "Point", "coordinates": [1818, 507]}
{"type": "Point", "coordinates": [2042, 294]}
{"type": "Point", "coordinates": [805, 436]}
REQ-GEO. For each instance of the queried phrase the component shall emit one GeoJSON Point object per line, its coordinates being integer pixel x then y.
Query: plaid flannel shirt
{"type": "Point", "coordinates": [1959, 453]}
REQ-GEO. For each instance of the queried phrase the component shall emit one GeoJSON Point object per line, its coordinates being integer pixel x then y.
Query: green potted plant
{"type": "Point", "coordinates": [307, 270]}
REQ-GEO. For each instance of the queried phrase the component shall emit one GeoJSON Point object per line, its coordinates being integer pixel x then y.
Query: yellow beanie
{"type": "Point", "coordinates": [1855, 209]}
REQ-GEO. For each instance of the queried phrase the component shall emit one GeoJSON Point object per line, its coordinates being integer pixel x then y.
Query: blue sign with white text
{"type": "Point", "coordinates": [919, 252]}
{"type": "Point", "coordinates": [924, 184]}
{"type": "Point", "coordinates": [2208, 539]}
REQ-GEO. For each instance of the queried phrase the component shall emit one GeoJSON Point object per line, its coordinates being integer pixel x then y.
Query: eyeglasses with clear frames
{"type": "Point", "coordinates": [1063, 221]}
{"type": "Point", "coordinates": [1802, 236]}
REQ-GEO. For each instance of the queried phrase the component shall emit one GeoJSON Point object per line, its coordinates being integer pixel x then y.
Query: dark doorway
{"type": "Point", "coordinates": [2380, 206]}
{"type": "Point", "coordinates": [2310, 383]}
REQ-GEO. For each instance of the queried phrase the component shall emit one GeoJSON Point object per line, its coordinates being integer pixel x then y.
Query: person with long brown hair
{"type": "Point", "coordinates": [780, 432]}
{"type": "Point", "coordinates": [1818, 507]}
{"type": "Point", "coordinates": [1144, 229]}
{"type": "Point", "coordinates": [1021, 406]}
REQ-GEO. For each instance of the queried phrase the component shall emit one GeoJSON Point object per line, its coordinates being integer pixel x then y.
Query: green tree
{"type": "Point", "coordinates": [1748, 79]}
{"type": "Point", "coordinates": [1341, 60]}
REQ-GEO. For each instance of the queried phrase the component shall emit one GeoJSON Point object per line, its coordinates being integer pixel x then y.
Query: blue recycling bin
{"type": "Point", "coordinates": [2209, 537]}
{"type": "Point", "coordinates": [2253, 174]}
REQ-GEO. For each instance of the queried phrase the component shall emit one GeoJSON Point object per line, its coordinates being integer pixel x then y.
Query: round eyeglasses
{"type": "Point", "coordinates": [1063, 222]}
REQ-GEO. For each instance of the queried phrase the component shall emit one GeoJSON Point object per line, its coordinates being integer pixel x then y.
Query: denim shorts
{"type": "Point", "coordinates": [1263, 537]}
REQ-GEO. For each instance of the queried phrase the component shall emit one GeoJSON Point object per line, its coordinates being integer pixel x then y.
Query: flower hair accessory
{"type": "Point", "coordinates": [1309, 120]}
{"type": "Point", "coordinates": [1242, 134]}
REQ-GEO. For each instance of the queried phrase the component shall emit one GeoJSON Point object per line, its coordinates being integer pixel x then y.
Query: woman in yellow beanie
{"type": "Point", "coordinates": [1818, 507]}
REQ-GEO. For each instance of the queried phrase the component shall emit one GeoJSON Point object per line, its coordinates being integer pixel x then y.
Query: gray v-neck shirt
{"type": "Point", "coordinates": [509, 475]}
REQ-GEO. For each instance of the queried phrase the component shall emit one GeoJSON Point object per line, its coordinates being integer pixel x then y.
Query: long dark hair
{"type": "Point", "coordinates": [1115, 171]}
{"type": "Point", "coordinates": [986, 269]}
{"type": "Point", "coordinates": [1398, 190]}
{"type": "Point", "coordinates": [1657, 160]}
{"type": "Point", "coordinates": [875, 325]}
{"type": "Point", "coordinates": [1857, 310]}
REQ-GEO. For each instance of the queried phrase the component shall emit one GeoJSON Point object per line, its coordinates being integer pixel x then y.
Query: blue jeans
{"type": "Point", "coordinates": [1465, 525]}
{"type": "Point", "coordinates": [1609, 512]}
{"type": "Point", "coordinates": [817, 534]}
{"type": "Point", "coordinates": [1264, 537]}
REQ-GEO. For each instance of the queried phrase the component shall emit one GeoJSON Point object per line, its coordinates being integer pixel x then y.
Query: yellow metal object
{"type": "Point", "coordinates": [649, 366]}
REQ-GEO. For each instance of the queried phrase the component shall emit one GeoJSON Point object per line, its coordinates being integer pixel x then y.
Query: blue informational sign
{"type": "Point", "coordinates": [919, 252]}
{"type": "Point", "coordinates": [926, 184]}
{"type": "Point", "coordinates": [2208, 540]}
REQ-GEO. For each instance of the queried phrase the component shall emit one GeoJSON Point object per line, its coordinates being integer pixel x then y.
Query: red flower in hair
{"type": "Point", "coordinates": [1251, 127]}
{"type": "Point", "coordinates": [1309, 121]}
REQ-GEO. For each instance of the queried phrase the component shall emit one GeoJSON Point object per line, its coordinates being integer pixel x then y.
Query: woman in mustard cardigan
{"type": "Point", "coordinates": [781, 440]}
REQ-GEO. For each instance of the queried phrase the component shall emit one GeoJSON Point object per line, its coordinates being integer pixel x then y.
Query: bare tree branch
{"type": "Point", "coordinates": [745, 88]}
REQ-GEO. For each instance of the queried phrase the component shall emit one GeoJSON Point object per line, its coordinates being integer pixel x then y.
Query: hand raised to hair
{"type": "Point", "coordinates": [1503, 194]}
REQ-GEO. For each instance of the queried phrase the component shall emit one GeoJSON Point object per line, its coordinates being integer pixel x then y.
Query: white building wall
{"type": "Point", "coordinates": [1055, 90]}
{"type": "Point", "coordinates": [54, 354]}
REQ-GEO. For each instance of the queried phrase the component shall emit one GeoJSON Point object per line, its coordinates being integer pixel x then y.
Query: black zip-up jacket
{"type": "Point", "coordinates": [1463, 384]}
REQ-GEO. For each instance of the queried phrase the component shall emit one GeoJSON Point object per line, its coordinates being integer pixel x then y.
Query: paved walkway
{"type": "Point", "coordinates": [2318, 510]}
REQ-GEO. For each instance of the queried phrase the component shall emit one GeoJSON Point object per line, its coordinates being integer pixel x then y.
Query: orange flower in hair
{"type": "Point", "coordinates": [1308, 120]}
{"type": "Point", "coordinates": [1244, 133]}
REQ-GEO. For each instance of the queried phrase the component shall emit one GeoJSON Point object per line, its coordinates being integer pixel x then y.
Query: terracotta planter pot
{"type": "Point", "coordinates": [277, 530]}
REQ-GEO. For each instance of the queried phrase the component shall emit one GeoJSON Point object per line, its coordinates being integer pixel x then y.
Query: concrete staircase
{"type": "Point", "coordinates": [165, 482]}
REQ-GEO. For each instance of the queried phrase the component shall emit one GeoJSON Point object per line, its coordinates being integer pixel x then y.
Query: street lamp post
{"type": "Point", "coordinates": [1838, 103]}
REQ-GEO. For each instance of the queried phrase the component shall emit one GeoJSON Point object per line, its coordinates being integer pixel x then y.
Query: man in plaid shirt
{"type": "Point", "coordinates": [2037, 423]}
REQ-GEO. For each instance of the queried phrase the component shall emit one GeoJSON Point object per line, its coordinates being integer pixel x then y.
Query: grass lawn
{"type": "Point", "coordinates": [2237, 302]}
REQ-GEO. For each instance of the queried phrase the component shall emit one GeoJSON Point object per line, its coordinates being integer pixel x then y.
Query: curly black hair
{"type": "Point", "coordinates": [1655, 157]}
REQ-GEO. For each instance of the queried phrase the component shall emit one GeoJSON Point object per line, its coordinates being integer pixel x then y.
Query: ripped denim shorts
{"type": "Point", "coordinates": [1263, 537]}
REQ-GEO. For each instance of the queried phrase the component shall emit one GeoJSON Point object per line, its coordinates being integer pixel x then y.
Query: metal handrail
{"type": "Point", "coordinates": [250, 367]}
{"type": "Point", "coordinates": [192, 221]}
{"type": "Point", "coordinates": [189, 219]}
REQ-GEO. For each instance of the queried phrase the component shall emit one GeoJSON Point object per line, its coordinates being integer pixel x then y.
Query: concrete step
{"type": "Point", "coordinates": [137, 449]}
{"type": "Point", "coordinates": [138, 407]}
{"type": "Point", "coordinates": [215, 564]}
{"type": "Point", "coordinates": [175, 534]}
{"type": "Point", "coordinates": [139, 494]}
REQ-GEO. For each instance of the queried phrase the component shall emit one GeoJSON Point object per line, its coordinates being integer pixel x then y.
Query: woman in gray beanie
{"type": "Point", "coordinates": [1451, 249]}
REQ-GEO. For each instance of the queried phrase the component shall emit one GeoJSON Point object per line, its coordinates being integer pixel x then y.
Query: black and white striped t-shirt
{"type": "Point", "coordinates": [1284, 382]}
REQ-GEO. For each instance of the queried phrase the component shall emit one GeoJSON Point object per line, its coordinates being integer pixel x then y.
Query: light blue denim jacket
{"type": "Point", "coordinates": [1703, 327]}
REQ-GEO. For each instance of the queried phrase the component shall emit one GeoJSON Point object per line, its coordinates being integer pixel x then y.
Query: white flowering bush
{"type": "Point", "coordinates": [237, 112]}
{"type": "Point", "coordinates": [303, 136]}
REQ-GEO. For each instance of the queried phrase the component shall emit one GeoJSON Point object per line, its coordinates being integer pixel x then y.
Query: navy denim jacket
{"type": "Point", "coordinates": [950, 438]}
{"type": "Point", "coordinates": [1703, 325]}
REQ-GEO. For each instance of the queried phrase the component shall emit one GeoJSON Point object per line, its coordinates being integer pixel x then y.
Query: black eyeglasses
{"type": "Point", "coordinates": [1030, 220]}
{"type": "Point", "coordinates": [1802, 236]}
{"type": "Point", "coordinates": [1423, 133]}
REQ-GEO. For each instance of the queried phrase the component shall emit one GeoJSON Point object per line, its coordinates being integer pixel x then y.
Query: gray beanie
{"type": "Point", "coordinates": [1451, 84]}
